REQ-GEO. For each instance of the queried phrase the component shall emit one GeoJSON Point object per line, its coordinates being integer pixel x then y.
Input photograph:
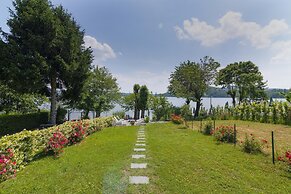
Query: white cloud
{"type": "Point", "coordinates": [156, 82]}
{"type": "Point", "coordinates": [101, 51]}
{"type": "Point", "coordinates": [282, 53]}
{"type": "Point", "coordinates": [231, 26]}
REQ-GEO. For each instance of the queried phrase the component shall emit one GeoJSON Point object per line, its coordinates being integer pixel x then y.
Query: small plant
{"type": "Point", "coordinates": [224, 134]}
{"type": "Point", "coordinates": [146, 119]}
{"type": "Point", "coordinates": [207, 129]}
{"type": "Point", "coordinates": [78, 132]}
{"type": "Point", "coordinates": [7, 165]}
{"type": "Point", "coordinates": [177, 119]}
{"type": "Point", "coordinates": [252, 145]}
{"type": "Point", "coordinates": [56, 143]}
{"type": "Point", "coordinates": [286, 158]}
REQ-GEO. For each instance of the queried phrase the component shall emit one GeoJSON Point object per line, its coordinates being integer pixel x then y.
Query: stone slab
{"type": "Point", "coordinates": [140, 141]}
{"type": "Point", "coordinates": [140, 144]}
{"type": "Point", "coordinates": [138, 180]}
{"type": "Point", "coordinates": [141, 138]}
{"type": "Point", "coordinates": [139, 149]}
{"type": "Point", "coordinates": [138, 165]}
{"type": "Point", "coordinates": [137, 156]}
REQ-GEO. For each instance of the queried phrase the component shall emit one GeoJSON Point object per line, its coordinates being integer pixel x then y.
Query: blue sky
{"type": "Point", "coordinates": [141, 41]}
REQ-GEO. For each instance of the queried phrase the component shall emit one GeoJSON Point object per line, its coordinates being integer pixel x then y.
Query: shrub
{"type": "Point", "coordinates": [7, 165]}
{"type": "Point", "coordinates": [14, 123]}
{"type": "Point", "coordinates": [224, 134]}
{"type": "Point", "coordinates": [78, 132]}
{"type": "Point", "coordinates": [119, 114]}
{"type": "Point", "coordinates": [146, 119]}
{"type": "Point", "coordinates": [61, 115]}
{"type": "Point", "coordinates": [27, 145]}
{"type": "Point", "coordinates": [56, 143]}
{"type": "Point", "coordinates": [286, 158]}
{"type": "Point", "coordinates": [177, 119]}
{"type": "Point", "coordinates": [252, 145]}
{"type": "Point", "coordinates": [207, 129]}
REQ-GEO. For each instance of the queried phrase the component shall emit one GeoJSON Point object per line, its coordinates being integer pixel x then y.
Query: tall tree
{"type": "Point", "coordinates": [136, 89]}
{"type": "Point", "coordinates": [49, 50]}
{"type": "Point", "coordinates": [143, 99]}
{"type": "Point", "coordinates": [190, 80]}
{"type": "Point", "coordinates": [227, 79]}
{"type": "Point", "coordinates": [100, 92]}
{"type": "Point", "coordinates": [244, 79]}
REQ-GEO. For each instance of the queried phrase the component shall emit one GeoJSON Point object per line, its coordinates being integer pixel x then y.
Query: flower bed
{"type": "Point", "coordinates": [224, 134]}
{"type": "Point", "coordinates": [26, 145]}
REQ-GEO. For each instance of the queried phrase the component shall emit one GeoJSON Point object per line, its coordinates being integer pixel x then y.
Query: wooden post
{"type": "Point", "coordinates": [234, 131]}
{"type": "Point", "coordinates": [273, 148]}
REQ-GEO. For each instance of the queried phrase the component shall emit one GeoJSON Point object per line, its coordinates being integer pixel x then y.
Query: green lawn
{"type": "Point", "coordinates": [93, 166]}
{"type": "Point", "coordinates": [179, 161]}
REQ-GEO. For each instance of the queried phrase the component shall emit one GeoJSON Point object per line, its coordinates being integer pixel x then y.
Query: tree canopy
{"type": "Point", "coordinates": [243, 79]}
{"type": "Point", "coordinates": [100, 92]}
{"type": "Point", "coordinates": [190, 80]}
{"type": "Point", "coordinates": [49, 51]}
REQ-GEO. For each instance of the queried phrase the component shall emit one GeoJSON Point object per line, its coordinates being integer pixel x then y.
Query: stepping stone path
{"type": "Point", "coordinates": [141, 142]}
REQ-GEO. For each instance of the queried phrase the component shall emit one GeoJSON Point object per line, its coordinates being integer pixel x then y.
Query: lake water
{"type": "Point", "coordinates": [175, 101]}
{"type": "Point", "coordinates": [206, 102]}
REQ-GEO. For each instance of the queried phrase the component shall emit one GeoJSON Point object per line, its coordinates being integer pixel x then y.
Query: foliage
{"type": "Point", "coordinates": [128, 102]}
{"type": "Point", "coordinates": [7, 165]}
{"type": "Point", "coordinates": [49, 50]}
{"type": "Point", "coordinates": [190, 80]}
{"type": "Point", "coordinates": [252, 145]}
{"type": "Point", "coordinates": [61, 115]}
{"type": "Point", "coordinates": [286, 158]}
{"type": "Point", "coordinates": [143, 99]}
{"type": "Point", "coordinates": [207, 128]}
{"type": "Point", "coordinates": [265, 112]}
{"type": "Point", "coordinates": [56, 143]}
{"type": "Point", "coordinates": [119, 114]}
{"type": "Point", "coordinates": [186, 112]}
{"type": "Point", "coordinates": [27, 145]}
{"type": "Point", "coordinates": [100, 92]}
{"type": "Point", "coordinates": [12, 101]}
{"type": "Point", "coordinates": [224, 134]}
{"type": "Point", "coordinates": [78, 132]}
{"type": "Point", "coordinates": [177, 119]}
{"type": "Point", "coordinates": [244, 79]}
{"type": "Point", "coordinates": [147, 119]}
{"type": "Point", "coordinates": [14, 123]}
{"type": "Point", "coordinates": [161, 108]}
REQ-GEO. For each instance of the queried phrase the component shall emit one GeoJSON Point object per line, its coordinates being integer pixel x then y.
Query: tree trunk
{"type": "Point", "coordinates": [233, 100]}
{"type": "Point", "coordinates": [86, 116]}
{"type": "Point", "coordinates": [197, 110]}
{"type": "Point", "coordinates": [53, 113]}
{"type": "Point", "coordinates": [98, 113]}
{"type": "Point", "coordinates": [142, 113]}
{"type": "Point", "coordinates": [135, 113]}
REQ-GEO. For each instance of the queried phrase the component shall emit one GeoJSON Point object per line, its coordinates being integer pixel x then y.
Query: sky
{"type": "Point", "coordinates": [141, 41]}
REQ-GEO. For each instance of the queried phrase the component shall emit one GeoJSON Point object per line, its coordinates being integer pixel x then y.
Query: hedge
{"type": "Point", "coordinates": [28, 145]}
{"type": "Point", "coordinates": [14, 123]}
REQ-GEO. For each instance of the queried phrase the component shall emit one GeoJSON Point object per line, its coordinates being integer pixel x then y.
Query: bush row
{"type": "Point", "coordinates": [276, 112]}
{"type": "Point", "coordinates": [28, 145]}
{"type": "Point", "coordinates": [14, 123]}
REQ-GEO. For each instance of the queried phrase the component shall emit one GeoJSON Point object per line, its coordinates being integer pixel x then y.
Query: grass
{"type": "Point", "coordinates": [93, 166]}
{"type": "Point", "coordinates": [185, 161]}
{"type": "Point", "coordinates": [179, 161]}
{"type": "Point", "coordinates": [282, 133]}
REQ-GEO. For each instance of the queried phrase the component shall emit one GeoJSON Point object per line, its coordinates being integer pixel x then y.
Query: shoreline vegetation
{"type": "Point", "coordinates": [216, 92]}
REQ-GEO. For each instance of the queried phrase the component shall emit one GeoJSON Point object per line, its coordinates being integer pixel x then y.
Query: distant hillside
{"type": "Point", "coordinates": [221, 93]}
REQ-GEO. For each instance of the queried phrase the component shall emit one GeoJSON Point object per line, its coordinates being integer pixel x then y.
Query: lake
{"type": "Point", "coordinates": [175, 101]}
